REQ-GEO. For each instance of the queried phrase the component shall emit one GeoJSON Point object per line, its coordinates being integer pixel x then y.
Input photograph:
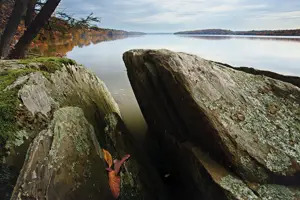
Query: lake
{"type": "Point", "coordinates": [278, 54]}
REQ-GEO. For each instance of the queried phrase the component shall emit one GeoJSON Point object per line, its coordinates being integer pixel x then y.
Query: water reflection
{"type": "Point", "coordinates": [105, 59]}
{"type": "Point", "coordinates": [243, 37]}
{"type": "Point", "coordinates": [50, 45]}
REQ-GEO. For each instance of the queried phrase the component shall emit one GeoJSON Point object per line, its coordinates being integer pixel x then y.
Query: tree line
{"type": "Point", "coordinates": [36, 15]}
{"type": "Point", "coordinates": [294, 32]}
{"type": "Point", "coordinates": [34, 21]}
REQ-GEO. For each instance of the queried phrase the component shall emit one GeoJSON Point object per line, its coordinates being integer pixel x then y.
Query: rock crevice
{"type": "Point", "coordinates": [248, 123]}
{"type": "Point", "coordinates": [62, 115]}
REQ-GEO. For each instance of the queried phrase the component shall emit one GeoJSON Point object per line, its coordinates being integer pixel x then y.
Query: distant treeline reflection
{"type": "Point", "coordinates": [58, 44]}
{"type": "Point", "coordinates": [228, 37]}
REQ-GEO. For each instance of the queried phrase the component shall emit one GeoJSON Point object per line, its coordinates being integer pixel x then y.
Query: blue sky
{"type": "Point", "coordinates": [178, 15]}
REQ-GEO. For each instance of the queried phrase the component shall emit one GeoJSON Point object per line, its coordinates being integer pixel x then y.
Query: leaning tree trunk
{"type": "Point", "coordinates": [30, 12]}
{"type": "Point", "coordinates": [12, 26]}
{"type": "Point", "coordinates": [39, 22]}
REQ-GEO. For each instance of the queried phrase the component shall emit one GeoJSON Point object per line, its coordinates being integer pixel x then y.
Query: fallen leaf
{"type": "Point", "coordinates": [107, 158]}
{"type": "Point", "coordinates": [119, 163]}
{"type": "Point", "coordinates": [114, 182]}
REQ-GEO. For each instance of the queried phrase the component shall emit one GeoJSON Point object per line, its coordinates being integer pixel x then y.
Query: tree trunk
{"type": "Point", "coordinates": [30, 12]}
{"type": "Point", "coordinates": [12, 26]}
{"type": "Point", "coordinates": [39, 22]}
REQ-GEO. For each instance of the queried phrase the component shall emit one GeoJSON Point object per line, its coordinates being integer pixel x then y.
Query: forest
{"type": "Point", "coordinates": [36, 24]}
{"type": "Point", "coordinates": [294, 32]}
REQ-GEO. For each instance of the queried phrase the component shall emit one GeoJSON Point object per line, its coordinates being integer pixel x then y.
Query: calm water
{"type": "Point", "coordinates": [279, 54]}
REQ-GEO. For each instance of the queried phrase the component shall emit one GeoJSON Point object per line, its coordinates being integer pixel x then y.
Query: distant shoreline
{"type": "Point", "coordinates": [294, 32]}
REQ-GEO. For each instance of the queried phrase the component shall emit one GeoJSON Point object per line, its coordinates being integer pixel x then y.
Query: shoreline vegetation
{"type": "Point", "coordinates": [292, 32]}
{"type": "Point", "coordinates": [62, 33]}
{"type": "Point", "coordinates": [59, 41]}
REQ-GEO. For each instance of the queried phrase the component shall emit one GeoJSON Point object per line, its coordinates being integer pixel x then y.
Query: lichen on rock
{"type": "Point", "coordinates": [64, 167]}
{"type": "Point", "coordinates": [246, 120]}
{"type": "Point", "coordinates": [237, 188]}
{"type": "Point", "coordinates": [61, 110]}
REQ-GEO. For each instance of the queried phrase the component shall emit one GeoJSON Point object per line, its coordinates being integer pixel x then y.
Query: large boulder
{"type": "Point", "coordinates": [62, 115]}
{"type": "Point", "coordinates": [63, 170]}
{"type": "Point", "coordinates": [235, 132]}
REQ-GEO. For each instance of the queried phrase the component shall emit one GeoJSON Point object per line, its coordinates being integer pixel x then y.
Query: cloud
{"type": "Point", "coordinates": [280, 15]}
{"type": "Point", "coordinates": [229, 8]}
{"type": "Point", "coordinates": [162, 18]}
{"type": "Point", "coordinates": [173, 15]}
{"type": "Point", "coordinates": [178, 11]}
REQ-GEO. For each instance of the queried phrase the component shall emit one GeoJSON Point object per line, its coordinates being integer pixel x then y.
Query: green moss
{"type": "Point", "coordinates": [9, 99]}
{"type": "Point", "coordinates": [49, 64]}
{"type": "Point", "coordinates": [9, 102]}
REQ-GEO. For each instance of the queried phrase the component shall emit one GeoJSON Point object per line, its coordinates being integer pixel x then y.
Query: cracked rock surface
{"type": "Point", "coordinates": [238, 130]}
{"type": "Point", "coordinates": [56, 117]}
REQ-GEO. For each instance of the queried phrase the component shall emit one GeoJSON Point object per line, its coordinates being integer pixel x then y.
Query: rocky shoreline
{"type": "Point", "coordinates": [62, 115]}
{"type": "Point", "coordinates": [227, 133]}
{"type": "Point", "coordinates": [215, 131]}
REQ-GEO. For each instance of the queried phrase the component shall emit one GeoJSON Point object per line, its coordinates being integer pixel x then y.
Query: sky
{"type": "Point", "coordinates": [180, 15]}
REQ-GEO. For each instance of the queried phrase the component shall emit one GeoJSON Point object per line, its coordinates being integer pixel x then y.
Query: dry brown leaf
{"type": "Point", "coordinates": [119, 163]}
{"type": "Point", "coordinates": [114, 182]}
{"type": "Point", "coordinates": [107, 158]}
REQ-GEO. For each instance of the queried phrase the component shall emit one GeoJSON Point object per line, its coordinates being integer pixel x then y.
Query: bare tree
{"type": "Point", "coordinates": [30, 12]}
{"type": "Point", "coordinates": [86, 22]}
{"type": "Point", "coordinates": [39, 22]}
{"type": "Point", "coordinates": [12, 26]}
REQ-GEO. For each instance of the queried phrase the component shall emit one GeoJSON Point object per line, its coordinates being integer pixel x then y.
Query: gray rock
{"type": "Point", "coordinates": [20, 81]}
{"type": "Point", "coordinates": [66, 115]}
{"type": "Point", "coordinates": [35, 94]}
{"type": "Point", "coordinates": [62, 170]}
{"type": "Point", "coordinates": [249, 123]}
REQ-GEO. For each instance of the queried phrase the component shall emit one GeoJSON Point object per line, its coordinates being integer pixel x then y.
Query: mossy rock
{"type": "Point", "coordinates": [9, 100]}
{"type": "Point", "coordinates": [14, 116]}
{"type": "Point", "coordinates": [49, 64]}
{"type": "Point", "coordinates": [33, 90]}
